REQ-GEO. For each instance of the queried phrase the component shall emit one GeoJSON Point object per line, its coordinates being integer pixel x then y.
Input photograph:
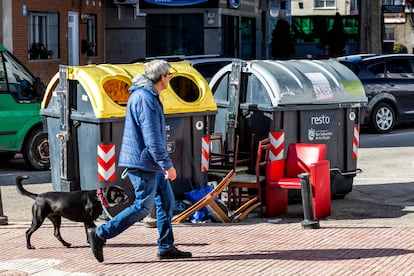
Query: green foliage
{"type": "Point", "coordinates": [399, 48]}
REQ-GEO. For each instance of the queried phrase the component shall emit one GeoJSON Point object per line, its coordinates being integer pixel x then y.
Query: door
{"type": "Point", "coordinates": [73, 39]}
{"type": "Point", "coordinates": [19, 104]}
{"type": "Point", "coordinates": [231, 37]}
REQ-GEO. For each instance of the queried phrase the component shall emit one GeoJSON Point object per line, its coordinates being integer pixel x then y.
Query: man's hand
{"type": "Point", "coordinates": [171, 174]}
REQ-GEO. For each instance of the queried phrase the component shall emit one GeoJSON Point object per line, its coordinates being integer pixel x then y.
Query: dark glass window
{"type": "Point", "coordinates": [399, 69]}
{"type": "Point", "coordinates": [91, 35]}
{"type": "Point", "coordinates": [172, 34]}
{"type": "Point", "coordinates": [378, 70]}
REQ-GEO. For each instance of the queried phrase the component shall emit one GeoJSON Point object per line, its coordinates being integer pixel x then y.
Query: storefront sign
{"type": "Point", "coordinates": [175, 2]}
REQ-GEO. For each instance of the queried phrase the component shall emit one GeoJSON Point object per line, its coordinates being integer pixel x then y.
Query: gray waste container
{"type": "Point", "coordinates": [84, 113]}
{"type": "Point", "coordinates": [318, 101]}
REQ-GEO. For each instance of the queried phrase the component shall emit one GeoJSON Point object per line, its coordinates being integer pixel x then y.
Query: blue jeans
{"type": "Point", "coordinates": [149, 188]}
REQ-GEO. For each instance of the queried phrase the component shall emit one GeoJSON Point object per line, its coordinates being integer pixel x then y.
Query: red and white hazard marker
{"type": "Point", "coordinates": [106, 162]}
{"type": "Point", "coordinates": [205, 153]}
{"type": "Point", "coordinates": [277, 145]}
{"type": "Point", "coordinates": [355, 143]}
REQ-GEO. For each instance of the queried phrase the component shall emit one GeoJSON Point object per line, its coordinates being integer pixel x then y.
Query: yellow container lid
{"type": "Point", "coordinates": [106, 86]}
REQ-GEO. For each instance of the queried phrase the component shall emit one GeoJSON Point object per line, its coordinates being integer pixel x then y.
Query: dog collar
{"type": "Point", "coordinates": [101, 198]}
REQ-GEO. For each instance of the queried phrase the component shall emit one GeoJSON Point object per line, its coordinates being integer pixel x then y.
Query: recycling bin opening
{"type": "Point", "coordinates": [185, 88]}
{"type": "Point", "coordinates": [117, 90]}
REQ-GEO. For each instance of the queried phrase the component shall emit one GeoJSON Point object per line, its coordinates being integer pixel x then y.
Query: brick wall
{"type": "Point", "coordinates": [45, 69]}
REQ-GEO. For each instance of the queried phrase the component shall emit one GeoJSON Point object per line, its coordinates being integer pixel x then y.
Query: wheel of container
{"type": "Point", "coordinates": [383, 118]}
{"type": "Point", "coordinates": [36, 150]}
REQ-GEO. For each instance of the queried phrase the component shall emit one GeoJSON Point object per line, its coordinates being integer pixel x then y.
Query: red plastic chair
{"type": "Point", "coordinates": [282, 175]}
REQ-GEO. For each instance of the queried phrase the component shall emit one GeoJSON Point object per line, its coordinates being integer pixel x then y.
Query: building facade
{"type": "Point", "coordinates": [44, 34]}
{"type": "Point", "coordinates": [399, 22]}
{"type": "Point", "coordinates": [139, 29]}
{"type": "Point", "coordinates": [312, 20]}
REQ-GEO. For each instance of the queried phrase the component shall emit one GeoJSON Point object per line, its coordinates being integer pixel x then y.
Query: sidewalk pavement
{"type": "Point", "coordinates": [275, 246]}
{"type": "Point", "coordinates": [370, 232]}
{"type": "Point", "coordinates": [233, 249]}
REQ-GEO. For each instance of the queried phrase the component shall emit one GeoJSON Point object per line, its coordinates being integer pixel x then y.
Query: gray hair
{"type": "Point", "coordinates": [156, 68]}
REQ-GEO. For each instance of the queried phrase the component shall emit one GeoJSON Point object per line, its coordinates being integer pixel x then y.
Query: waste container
{"type": "Point", "coordinates": [311, 101]}
{"type": "Point", "coordinates": [84, 114]}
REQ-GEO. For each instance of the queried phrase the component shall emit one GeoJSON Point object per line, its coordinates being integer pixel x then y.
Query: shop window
{"type": "Point", "coordinates": [43, 35]}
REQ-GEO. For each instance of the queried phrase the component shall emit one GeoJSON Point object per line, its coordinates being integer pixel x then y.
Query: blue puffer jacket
{"type": "Point", "coordinates": [144, 141]}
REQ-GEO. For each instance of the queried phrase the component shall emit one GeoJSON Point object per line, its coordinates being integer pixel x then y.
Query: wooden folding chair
{"type": "Point", "coordinates": [216, 211]}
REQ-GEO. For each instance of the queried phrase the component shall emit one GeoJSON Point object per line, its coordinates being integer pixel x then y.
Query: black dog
{"type": "Point", "coordinates": [80, 206]}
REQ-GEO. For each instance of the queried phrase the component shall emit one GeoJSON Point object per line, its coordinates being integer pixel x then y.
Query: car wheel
{"type": "Point", "coordinates": [6, 156]}
{"type": "Point", "coordinates": [383, 118]}
{"type": "Point", "coordinates": [36, 150]}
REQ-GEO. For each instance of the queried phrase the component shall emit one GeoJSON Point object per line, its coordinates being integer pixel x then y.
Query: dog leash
{"type": "Point", "coordinates": [103, 202]}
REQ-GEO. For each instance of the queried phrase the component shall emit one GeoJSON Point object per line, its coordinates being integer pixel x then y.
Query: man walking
{"type": "Point", "coordinates": [144, 154]}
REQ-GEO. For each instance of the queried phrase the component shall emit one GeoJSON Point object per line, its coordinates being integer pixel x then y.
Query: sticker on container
{"type": "Point", "coordinates": [84, 97]}
{"type": "Point", "coordinates": [199, 125]}
{"type": "Point", "coordinates": [352, 116]}
{"type": "Point", "coordinates": [321, 86]}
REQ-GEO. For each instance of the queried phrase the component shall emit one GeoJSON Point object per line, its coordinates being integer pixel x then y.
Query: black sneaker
{"type": "Point", "coordinates": [173, 253]}
{"type": "Point", "coordinates": [96, 244]}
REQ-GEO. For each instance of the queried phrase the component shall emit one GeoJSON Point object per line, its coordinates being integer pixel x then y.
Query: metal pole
{"type": "Point", "coordinates": [234, 91]}
{"type": "Point", "coordinates": [309, 221]}
{"type": "Point", "coordinates": [63, 135]}
{"type": "Point", "coordinates": [3, 218]}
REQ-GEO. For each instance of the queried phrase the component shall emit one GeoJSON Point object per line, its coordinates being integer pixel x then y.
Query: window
{"type": "Point", "coordinates": [43, 35]}
{"type": "Point", "coordinates": [320, 4]}
{"type": "Point", "coordinates": [393, 2]}
{"type": "Point", "coordinates": [389, 33]}
{"type": "Point", "coordinates": [354, 6]}
{"type": "Point", "coordinates": [399, 69]}
{"type": "Point", "coordinates": [91, 35]}
{"type": "Point", "coordinates": [248, 38]}
{"type": "Point", "coordinates": [170, 34]}
{"type": "Point", "coordinates": [15, 78]}
{"type": "Point", "coordinates": [378, 70]}
{"type": "Point", "coordinates": [314, 28]}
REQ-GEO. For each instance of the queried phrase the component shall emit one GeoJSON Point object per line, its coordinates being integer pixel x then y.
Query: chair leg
{"type": "Point", "coordinates": [229, 197]}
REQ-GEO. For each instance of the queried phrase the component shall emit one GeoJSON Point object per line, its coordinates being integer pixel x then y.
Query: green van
{"type": "Point", "coordinates": [21, 128]}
